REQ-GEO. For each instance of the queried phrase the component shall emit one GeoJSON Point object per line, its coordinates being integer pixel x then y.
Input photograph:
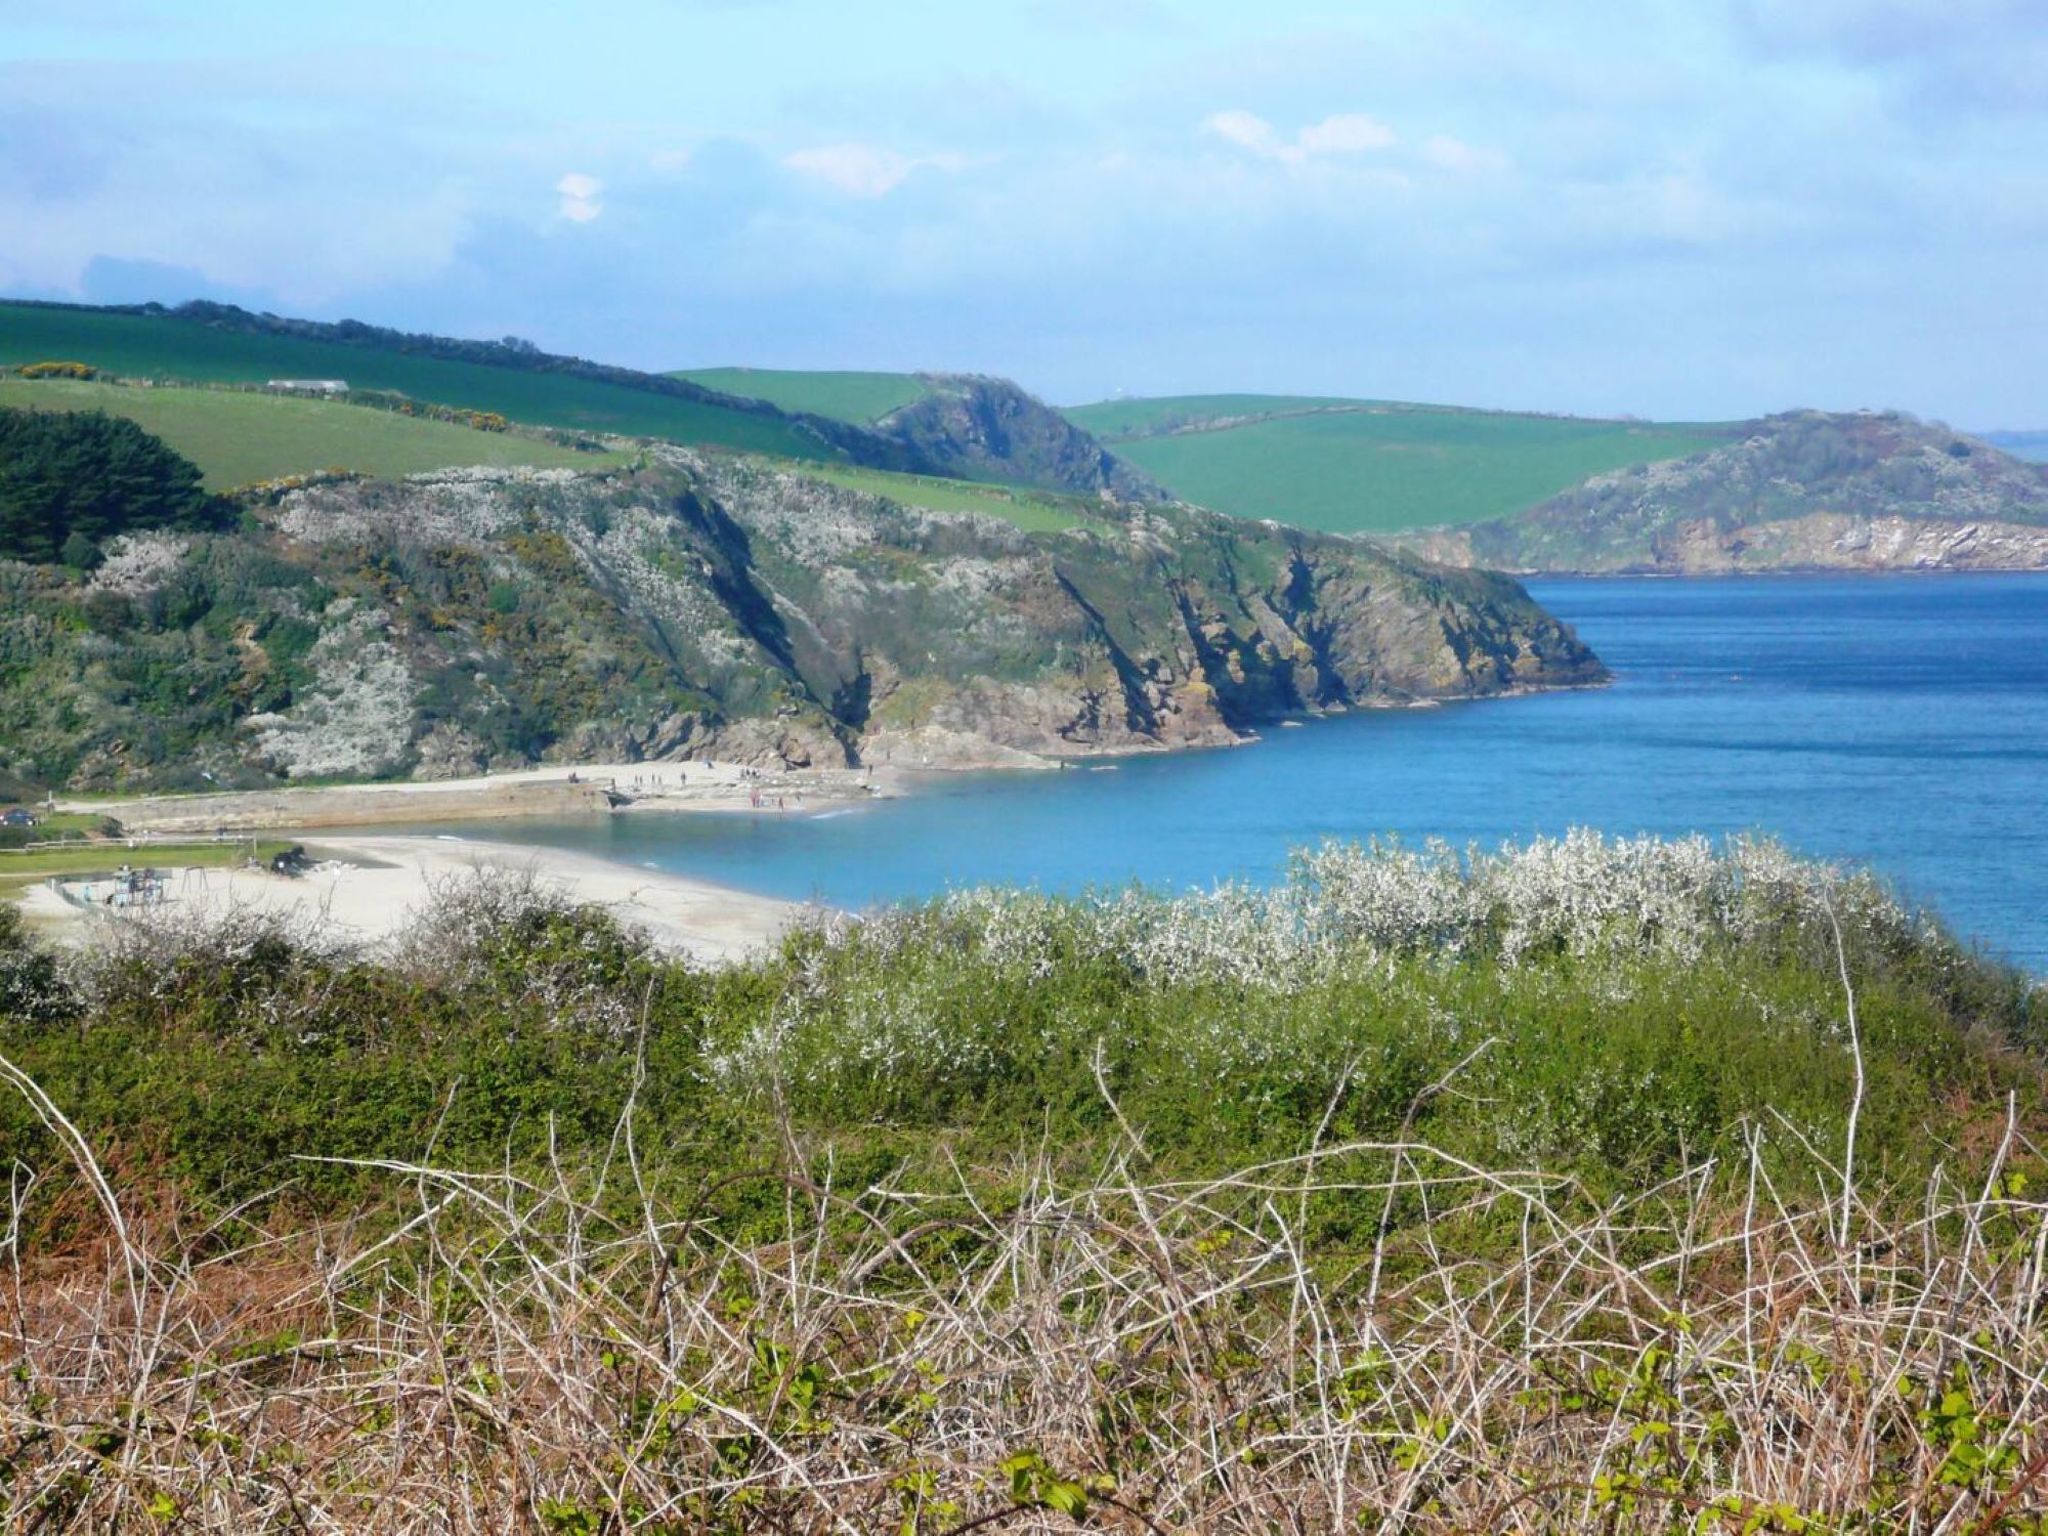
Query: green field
{"type": "Point", "coordinates": [147, 346]}
{"type": "Point", "coordinates": [20, 869]}
{"type": "Point", "coordinates": [860, 398]}
{"type": "Point", "coordinates": [238, 438]}
{"type": "Point", "coordinates": [57, 824]}
{"type": "Point", "coordinates": [1112, 420]}
{"type": "Point", "coordinates": [1365, 468]}
{"type": "Point", "coordinates": [1033, 511]}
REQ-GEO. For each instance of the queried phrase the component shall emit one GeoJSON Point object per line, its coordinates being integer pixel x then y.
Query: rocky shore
{"type": "Point", "coordinates": [1806, 491]}
{"type": "Point", "coordinates": [469, 623]}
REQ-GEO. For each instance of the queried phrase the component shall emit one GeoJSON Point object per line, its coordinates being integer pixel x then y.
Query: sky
{"type": "Point", "coordinates": [1695, 210]}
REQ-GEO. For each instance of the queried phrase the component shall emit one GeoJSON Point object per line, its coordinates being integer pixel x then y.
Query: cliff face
{"type": "Point", "coordinates": [989, 429]}
{"type": "Point", "coordinates": [475, 619]}
{"type": "Point", "coordinates": [1804, 491]}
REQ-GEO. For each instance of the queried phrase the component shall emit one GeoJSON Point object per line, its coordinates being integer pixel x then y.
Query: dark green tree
{"type": "Point", "coordinates": [78, 478]}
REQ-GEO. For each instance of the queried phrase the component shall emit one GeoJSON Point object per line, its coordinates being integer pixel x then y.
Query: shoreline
{"type": "Point", "coordinates": [368, 889]}
{"type": "Point", "coordinates": [691, 786]}
{"type": "Point", "coordinates": [567, 789]}
{"type": "Point", "coordinates": [1808, 572]}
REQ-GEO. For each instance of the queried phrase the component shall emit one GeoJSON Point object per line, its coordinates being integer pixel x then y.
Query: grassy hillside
{"type": "Point", "coordinates": [1115, 420]}
{"type": "Point", "coordinates": [860, 398]}
{"type": "Point", "coordinates": [239, 438]}
{"type": "Point", "coordinates": [1802, 490]}
{"type": "Point", "coordinates": [1359, 467]}
{"type": "Point", "coordinates": [1033, 511]}
{"type": "Point", "coordinates": [160, 346]}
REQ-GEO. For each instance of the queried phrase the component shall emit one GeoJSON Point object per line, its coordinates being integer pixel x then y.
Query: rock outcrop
{"type": "Point", "coordinates": [989, 429]}
{"type": "Point", "coordinates": [709, 607]}
{"type": "Point", "coordinates": [1804, 491]}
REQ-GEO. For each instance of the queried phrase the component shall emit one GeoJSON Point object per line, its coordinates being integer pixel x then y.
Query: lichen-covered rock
{"type": "Point", "coordinates": [447, 751]}
{"type": "Point", "coordinates": [356, 720]}
{"type": "Point", "coordinates": [711, 607]}
{"type": "Point", "coordinates": [966, 424]}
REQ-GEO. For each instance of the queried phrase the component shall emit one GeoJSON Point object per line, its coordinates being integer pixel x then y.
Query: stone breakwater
{"type": "Point", "coordinates": [557, 791]}
{"type": "Point", "coordinates": [363, 806]}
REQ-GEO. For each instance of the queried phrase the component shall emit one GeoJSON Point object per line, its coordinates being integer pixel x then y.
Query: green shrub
{"type": "Point", "coordinates": [508, 1025]}
{"type": "Point", "coordinates": [30, 986]}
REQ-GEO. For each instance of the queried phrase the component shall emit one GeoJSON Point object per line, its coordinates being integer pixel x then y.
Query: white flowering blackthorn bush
{"type": "Point", "coordinates": [882, 1001]}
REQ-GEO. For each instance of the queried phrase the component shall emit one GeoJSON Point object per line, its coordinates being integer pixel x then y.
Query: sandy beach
{"type": "Point", "coordinates": [365, 889]}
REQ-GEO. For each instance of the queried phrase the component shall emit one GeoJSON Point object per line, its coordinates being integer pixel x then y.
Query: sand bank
{"type": "Point", "coordinates": [365, 889]}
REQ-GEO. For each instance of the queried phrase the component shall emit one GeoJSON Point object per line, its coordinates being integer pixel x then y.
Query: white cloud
{"type": "Point", "coordinates": [1343, 133]}
{"type": "Point", "coordinates": [579, 197]}
{"type": "Point", "coordinates": [1448, 154]}
{"type": "Point", "coordinates": [865, 170]}
{"type": "Point", "coordinates": [858, 170]}
{"type": "Point", "coordinates": [1347, 133]}
{"type": "Point", "coordinates": [1247, 130]}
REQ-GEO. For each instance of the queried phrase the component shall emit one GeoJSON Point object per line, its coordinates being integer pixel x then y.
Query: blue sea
{"type": "Point", "coordinates": [1899, 723]}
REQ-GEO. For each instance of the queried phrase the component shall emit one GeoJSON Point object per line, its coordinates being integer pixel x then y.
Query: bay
{"type": "Point", "coordinates": [1899, 723]}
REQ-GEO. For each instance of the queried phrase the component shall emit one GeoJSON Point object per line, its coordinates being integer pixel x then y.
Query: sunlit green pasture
{"type": "Point", "coordinates": [844, 395]}
{"type": "Point", "coordinates": [1033, 511]}
{"type": "Point", "coordinates": [163, 347]}
{"type": "Point", "coordinates": [1365, 467]}
{"type": "Point", "coordinates": [237, 437]}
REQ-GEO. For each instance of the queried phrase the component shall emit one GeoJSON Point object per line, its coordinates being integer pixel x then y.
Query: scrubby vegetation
{"type": "Point", "coordinates": [70, 481]}
{"type": "Point", "coordinates": [1619, 1186]}
{"type": "Point", "coordinates": [1033, 511]}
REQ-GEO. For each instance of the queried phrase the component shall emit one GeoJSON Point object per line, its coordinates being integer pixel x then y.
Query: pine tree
{"type": "Point", "coordinates": [75, 475]}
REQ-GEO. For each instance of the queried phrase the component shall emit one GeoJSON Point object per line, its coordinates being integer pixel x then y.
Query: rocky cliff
{"type": "Point", "coordinates": [1803, 491]}
{"type": "Point", "coordinates": [989, 429]}
{"type": "Point", "coordinates": [710, 607]}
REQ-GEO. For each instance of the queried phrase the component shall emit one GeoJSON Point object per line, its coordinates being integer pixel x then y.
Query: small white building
{"type": "Point", "coordinates": [309, 386]}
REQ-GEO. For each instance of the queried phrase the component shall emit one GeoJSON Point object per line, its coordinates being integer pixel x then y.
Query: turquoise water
{"type": "Point", "coordinates": [1900, 723]}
